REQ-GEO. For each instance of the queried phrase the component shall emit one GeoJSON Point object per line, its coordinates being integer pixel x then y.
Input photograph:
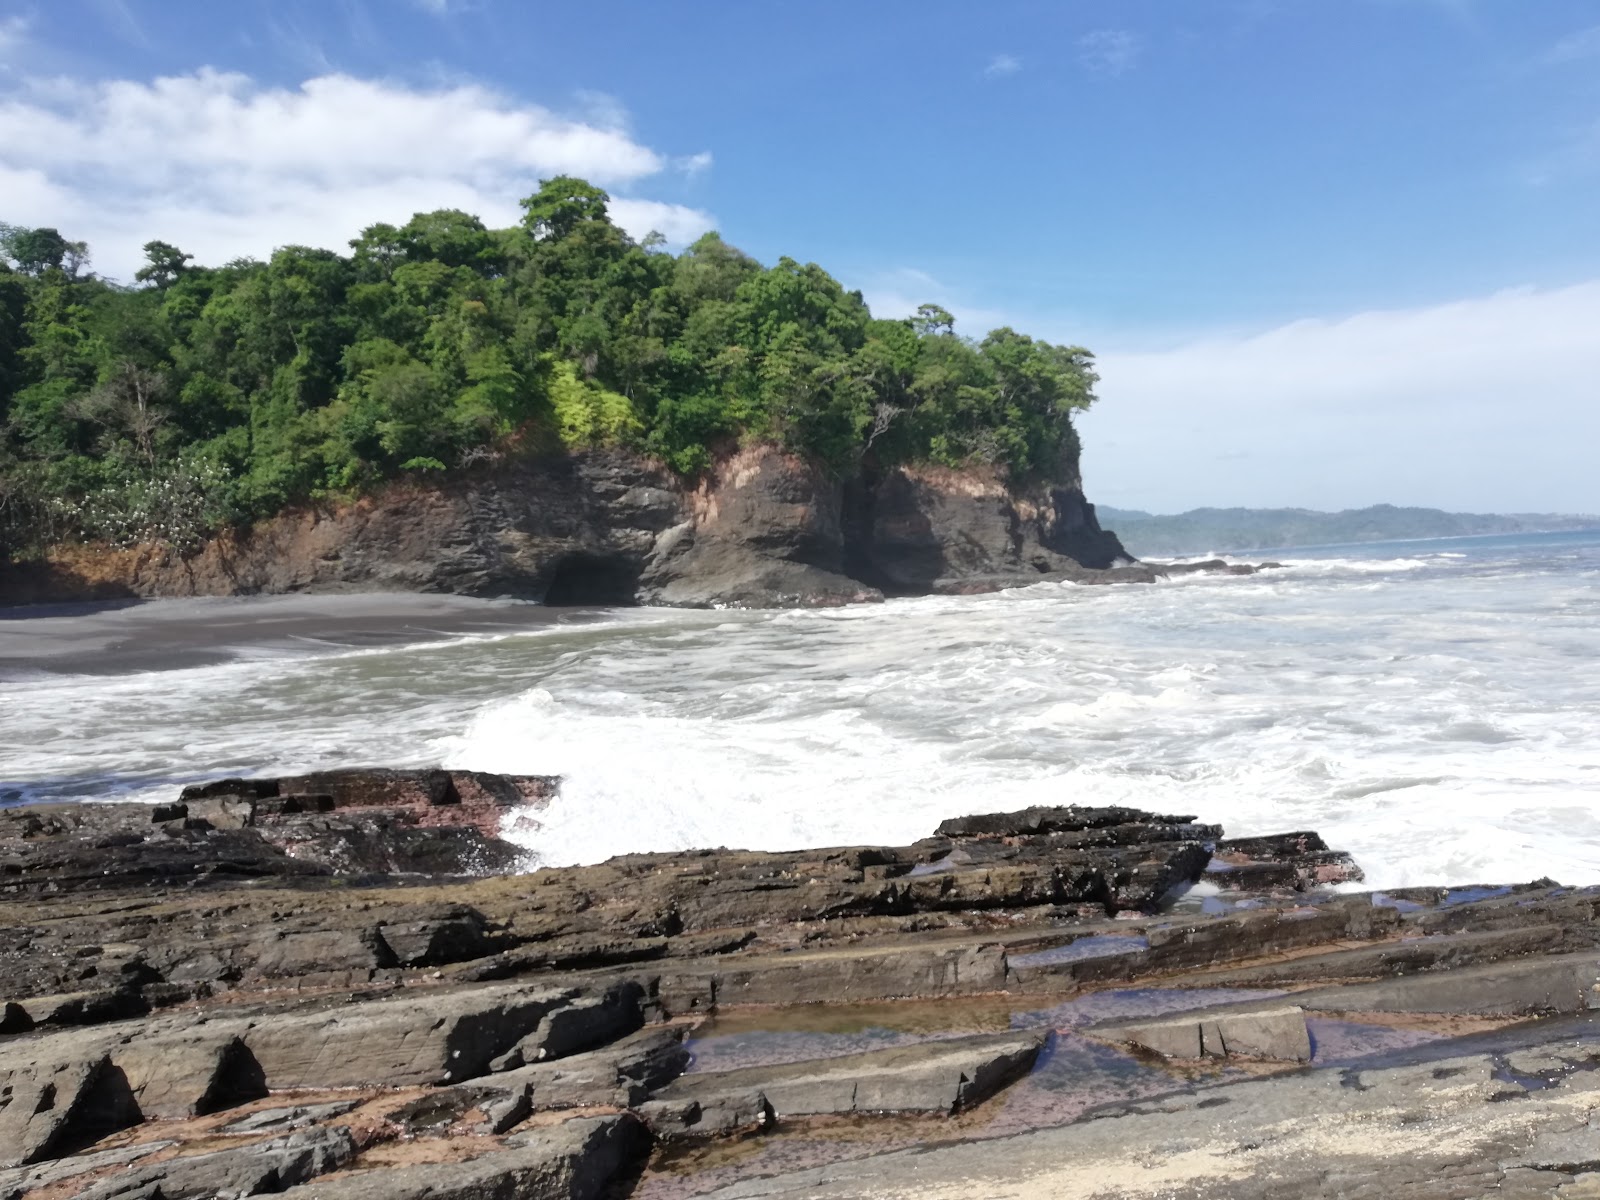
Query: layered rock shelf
{"type": "Point", "coordinates": [345, 985]}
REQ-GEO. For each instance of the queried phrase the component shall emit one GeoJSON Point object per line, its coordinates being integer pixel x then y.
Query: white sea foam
{"type": "Point", "coordinates": [1434, 715]}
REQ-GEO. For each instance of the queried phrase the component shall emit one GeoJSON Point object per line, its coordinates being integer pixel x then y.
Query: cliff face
{"type": "Point", "coordinates": [762, 528]}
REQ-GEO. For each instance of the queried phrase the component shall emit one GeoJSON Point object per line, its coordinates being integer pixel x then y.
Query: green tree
{"type": "Point", "coordinates": [164, 264]}
{"type": "Point", "coordinates": [223, 393]}
{"type": "Point", "coordinates": [562, 205]}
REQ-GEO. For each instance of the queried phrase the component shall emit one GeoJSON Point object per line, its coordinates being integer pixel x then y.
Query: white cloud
{"type": "Point", "coordinates": [13, 36]}
{"type": "Point", "coordinates": [678, 224]}
{"type": "Point", "coordinates": [1486, 404]}
{"type": "Point", "coordinates": [604, 111]}
{"type": "Point", "coordinates": [1108, 51]}
{"type": "Point", "coordinates": [120, 19]}
{"type": "Point", "coordinates": [1001, 65]}
{"type": "Point", "coordinates": [224, 167]}
{"type": "Point", "coordinates": [1583, 44]}
{"type": "Point", "coordinates": [900, 292]}
{"type": "Point", "coordinates": [695, 163]}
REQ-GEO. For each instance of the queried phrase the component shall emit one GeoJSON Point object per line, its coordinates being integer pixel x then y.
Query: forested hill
{"type": "Point", "coordinates": [1219, 530]}
{"type": "Point", "coordinates": [200, 396]}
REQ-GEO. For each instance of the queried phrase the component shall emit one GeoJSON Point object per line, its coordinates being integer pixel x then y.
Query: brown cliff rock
{"type": "Point", "coordinates": [762, 528]}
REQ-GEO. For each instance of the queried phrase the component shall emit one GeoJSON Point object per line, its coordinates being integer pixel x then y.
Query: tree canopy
{"type": "Point", "coordinates": [208, 395]}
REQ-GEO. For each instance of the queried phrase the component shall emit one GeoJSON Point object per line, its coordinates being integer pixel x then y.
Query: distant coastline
{"type": "Point", "coordinates": [1226, 530]}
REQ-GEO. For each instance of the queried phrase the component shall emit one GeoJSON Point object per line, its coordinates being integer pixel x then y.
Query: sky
{"type": "Point", "coordinates": [1328, 253]}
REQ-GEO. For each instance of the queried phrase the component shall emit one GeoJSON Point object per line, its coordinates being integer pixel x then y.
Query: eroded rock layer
{"type": "Point", "coordinates": [261, 987]}
{"type": "Point", "coordinates": [762, 528]}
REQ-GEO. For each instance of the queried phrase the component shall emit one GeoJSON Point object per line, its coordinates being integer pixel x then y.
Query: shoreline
{"type": "Point", "coordinates": [120, 637]}
{"type": "Point", "coordinates": [123, 636]}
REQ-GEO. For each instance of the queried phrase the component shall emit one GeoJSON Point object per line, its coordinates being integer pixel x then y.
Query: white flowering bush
{"type": "Point", "coordinates": [177, 505]}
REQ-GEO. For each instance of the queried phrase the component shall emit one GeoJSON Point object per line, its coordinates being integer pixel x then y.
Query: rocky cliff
{"type": "Point", "coordinates": [761, 528]}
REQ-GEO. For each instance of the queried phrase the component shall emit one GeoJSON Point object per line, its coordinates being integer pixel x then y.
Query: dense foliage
{"type": "Point", "coordinates": [202, 396]}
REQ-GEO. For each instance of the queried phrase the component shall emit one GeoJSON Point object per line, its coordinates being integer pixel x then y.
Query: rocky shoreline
{"type": "Point", "coordinates": [762, 529]}
{"type": "Point", "coordinates": [337, 985]}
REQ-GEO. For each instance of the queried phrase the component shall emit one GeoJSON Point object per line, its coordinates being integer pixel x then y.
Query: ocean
{"type": "Point", "coordinates": [1431, 707]}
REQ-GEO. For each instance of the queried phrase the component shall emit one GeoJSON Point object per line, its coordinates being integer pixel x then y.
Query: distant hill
{"type": "Point", "coordinates": [1220, 530]}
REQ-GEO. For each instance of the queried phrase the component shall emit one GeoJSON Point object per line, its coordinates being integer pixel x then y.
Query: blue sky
{"type": "Point", "coordinates": [1330, 253]}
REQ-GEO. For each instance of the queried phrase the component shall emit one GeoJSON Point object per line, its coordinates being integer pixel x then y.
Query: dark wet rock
{"type": "Point", "coordinates": [1299, 860]}
{"type": "Point", "coordinates": [339, 822]}
{"type": "Point", "coordinates": [1130, 825]}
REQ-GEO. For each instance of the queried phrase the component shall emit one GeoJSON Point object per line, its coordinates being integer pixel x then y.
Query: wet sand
{"type": "Point", "coordinates": [121, 637]}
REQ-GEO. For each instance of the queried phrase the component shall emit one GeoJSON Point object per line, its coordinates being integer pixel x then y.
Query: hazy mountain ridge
{"type": "Point", "coordinates": [1206, 530]}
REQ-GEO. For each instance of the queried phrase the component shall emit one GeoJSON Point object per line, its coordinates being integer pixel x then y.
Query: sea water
{"type": "Point", "coordinates": [1432, 707]}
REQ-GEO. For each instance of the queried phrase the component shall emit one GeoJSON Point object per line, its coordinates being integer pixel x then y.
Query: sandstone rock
{"type": "Point", "coordinates": [439, 1110]}
{"type": "Point", "coordinates": [188, 1072]}
{"type": "Point", "coordinates": [78, 1008]}
{"type": "Point", "coordinates": [54, 1108]}
{"type": "Point", "coordinates": [576, 1160]}
{"type": "Point", "coordinates": [434, 943]}
{"type": "Point", "coordinates": [21, 1181]}
{"type": "Point", "coordinates": [222, 812]}
{"type": "Point", "coordinates": [585, 1022]}
{"type": "Point", "coordinates": [444, 1037]}
{"type": "Point", "coordinates": [1423, 1132]}
{"type": "Point", "coordinates": [290, 953]}
{"type": "Point", "coordinates": [843, 975]}
{"type": "Point", "coordinates": [724, 1114]}
{"type": "Point", "coordinates": [1278, 1033]}
{"type": "Point", "coordinates": [295, 1116]}
{"type": "Point", "coordinates": [1523, 988]}
{"type": "Point", "coordinates": [622, 1073]}
{"type": "Point", "coordinates": [941, 1076]}
{"type": "Point", "coordinates": [271, 1166]}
